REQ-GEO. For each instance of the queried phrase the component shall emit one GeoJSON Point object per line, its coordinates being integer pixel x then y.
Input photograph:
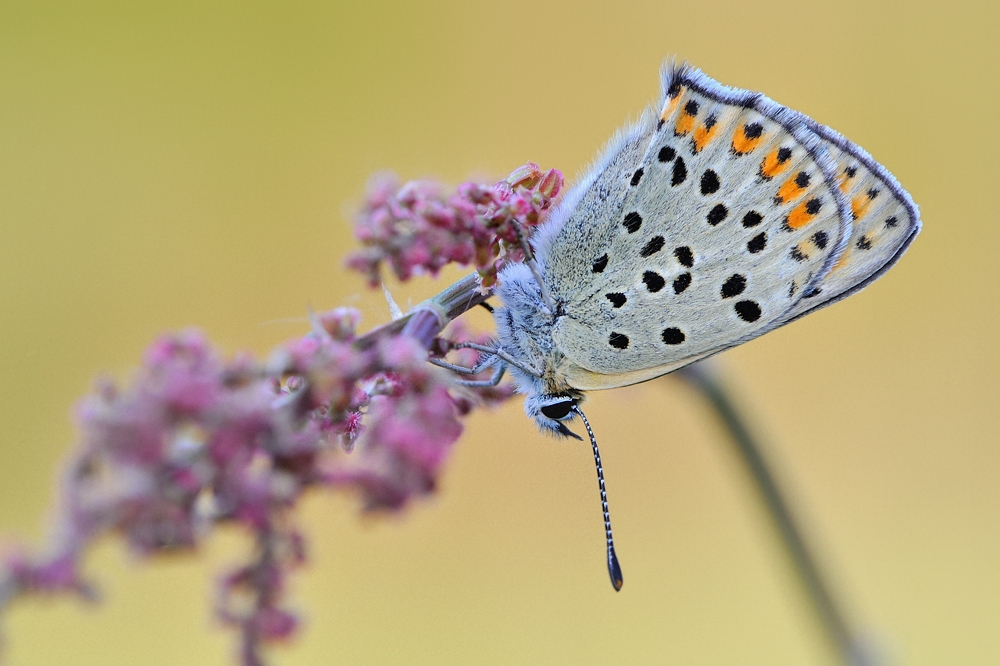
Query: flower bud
{"type": "Point", "coordinates": [551, 183]}
{"type": "Point", "coordinates": [525, 176]}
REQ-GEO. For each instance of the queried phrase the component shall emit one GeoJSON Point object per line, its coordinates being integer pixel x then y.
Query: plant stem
{"type": "Point", "coordinates": [427, 319]}
{"type": "Point", "coordinates": [430, 317]}
{"type": "Point", "coordinates": [850, 646]}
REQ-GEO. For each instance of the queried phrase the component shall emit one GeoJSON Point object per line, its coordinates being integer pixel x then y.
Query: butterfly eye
{"type": "Point", "coordinates": [558, 410]}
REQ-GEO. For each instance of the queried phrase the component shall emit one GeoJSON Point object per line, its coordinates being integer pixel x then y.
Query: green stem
{"type": "Point", "coordinates": [428, 318]}
{"type": "Point", "coordinates": [850, 646]}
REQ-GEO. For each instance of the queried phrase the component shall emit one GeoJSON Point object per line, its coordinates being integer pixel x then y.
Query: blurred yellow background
{"type": "Point", "coordinates": [165, 164]}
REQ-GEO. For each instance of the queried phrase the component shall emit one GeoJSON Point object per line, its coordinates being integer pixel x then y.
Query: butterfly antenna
{"type": "Point", "coordinates": [614, 570]}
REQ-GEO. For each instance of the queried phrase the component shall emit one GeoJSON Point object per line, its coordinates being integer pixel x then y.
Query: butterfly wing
{"type": "Point", "coordinates": [884, 223]}
{"type": "Point", "coordinates": [704, 226]}
{"type": "Point", "coordinates": [600, 193]}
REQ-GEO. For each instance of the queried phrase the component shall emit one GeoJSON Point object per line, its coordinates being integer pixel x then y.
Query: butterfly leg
{"type": "Point", "coordinates": [486, 383]}
{"type": "Point", "coordinates": [499, 354]}
{"type": "Point", "coordinates": [461, 369]}
{"type": "Point", "coordinates": [492, 359]}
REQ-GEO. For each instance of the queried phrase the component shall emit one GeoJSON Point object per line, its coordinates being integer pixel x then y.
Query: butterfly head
{"type": "Point", "coordinates": [552, 412]}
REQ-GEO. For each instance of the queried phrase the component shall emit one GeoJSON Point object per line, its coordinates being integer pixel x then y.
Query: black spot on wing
{"type": "Point", "coordinates": [673, 336]}
{"type": "Point", "coordinates": [636, 177]}
{"type": "Point", "coordinates": [617, 299]}
{"type": "Point", "coordinates": [666, 154]}
{"type": "Point", "coordinates": [654, 245]}
{"type": "Point", "coordinates": [679, 174]}
{"type": "Point", "coordinates": [618, 340]}
{"type": "Point", "coordinates": [600, 264]}
{"type": "Point", "coordinates": [734, 286]}
{"type": "Point", "coordinates": [709, 182]}
{"type": "Point", "coordinates": [820, 239]}
{"type": "Point", "coordinates": [752, 130]}
{"type": "Point", "coordinates": [685, 256]}
{"type": "Point", "coordinates": [682, 282]}
{"type": "Point", "coordinates": [653, 281]}
{"type": "Point", "coordinates": [864, 243]}
{"type": "Point", "coordinates": [752, 219]}
{"type": "Point", "coordinates": [757, 243]}
{"type": "Point", "coordinates": [632, 222]}
{"type": "Point", "coordinates": [717, 214]}
{"type": "Point", "coordinates": [747, 311]}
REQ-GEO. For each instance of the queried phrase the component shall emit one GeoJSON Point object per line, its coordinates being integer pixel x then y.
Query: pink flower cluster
{"type": "Point", "coordinates": [417, 228]}
{"type": "Point", "coordinates": [196, 440]}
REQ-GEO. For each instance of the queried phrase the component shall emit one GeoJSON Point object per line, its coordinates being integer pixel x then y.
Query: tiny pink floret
{"type": "Point", "coordinates": [196, 440]}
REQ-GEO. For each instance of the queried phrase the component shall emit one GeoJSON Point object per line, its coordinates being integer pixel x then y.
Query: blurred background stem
{"type": "Point", "coordinates": [824, 600]}
{"type": "Point", "coordinates": [827, 604]}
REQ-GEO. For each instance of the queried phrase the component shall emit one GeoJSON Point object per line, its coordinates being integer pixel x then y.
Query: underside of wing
{"type": "Point", "coordinates": [574, 230]}
{"type": "Point", "coordinates": [730, 214]}
{"type": "Point", "coordinates": [885, 222]}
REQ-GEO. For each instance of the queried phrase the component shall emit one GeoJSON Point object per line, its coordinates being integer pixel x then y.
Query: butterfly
{"type": "Point", "coordinates": [718, 216]}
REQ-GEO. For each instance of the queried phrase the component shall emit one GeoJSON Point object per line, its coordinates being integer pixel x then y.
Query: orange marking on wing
{"type": "Point", "coordinates": [859, 205]}
{"type": "Point", "coordinates": [790, 190]}
{"type": "Point", "coordinates": [743, 144]}
{"type": "Point", "coordinates": [703, 135]}
{"type": "Point", "coordinates": [684, 123]}
{"type": "Point", "coordinates": [803, 214]}
{"type": "Point", "coordinates": [671, 105]}
{"type": "Point", "coordinates": [845, 178]}
{"type": "Point", "coordinates": [843, 261]}
{"type": "Point", "coordinates": [772, 164]}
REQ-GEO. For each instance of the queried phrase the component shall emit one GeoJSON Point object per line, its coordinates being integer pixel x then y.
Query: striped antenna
{"type": "Point", "coordinates": [614, 570]}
